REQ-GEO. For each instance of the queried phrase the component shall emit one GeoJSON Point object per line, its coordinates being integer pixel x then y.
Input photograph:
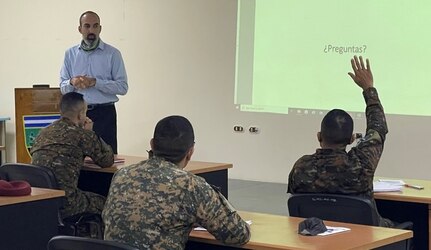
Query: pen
{"type": "Point", "coordinates": [414, 186]}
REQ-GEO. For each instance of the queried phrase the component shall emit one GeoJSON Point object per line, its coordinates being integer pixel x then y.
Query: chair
{"type": "Point", "coordinates": [43, 177]}
{"type": "Point", "coordinates": [333, 207]}
{"type": "Point", "coordinates": [342, 208]}
{"type": "Point", "coordinates": [62, 242]}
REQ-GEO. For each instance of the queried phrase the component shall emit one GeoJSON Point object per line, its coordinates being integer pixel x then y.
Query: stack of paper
{"type": "Point", "coordinates": [383, 185]}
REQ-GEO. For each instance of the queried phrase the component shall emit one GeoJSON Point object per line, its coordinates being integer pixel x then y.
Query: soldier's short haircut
{"type": "Point", "coordinates": [71, 103]}
{"type": "Point", "coordinates": [337, 127]}
{"type": "Point", "coordinates": [173, 137]}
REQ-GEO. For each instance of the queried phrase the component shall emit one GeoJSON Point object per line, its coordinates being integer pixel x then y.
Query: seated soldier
{"type": "Point", "coordinates": [155, 203]}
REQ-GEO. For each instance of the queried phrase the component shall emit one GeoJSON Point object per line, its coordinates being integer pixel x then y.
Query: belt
{"type": "Point", "coordinates": [99, 105]}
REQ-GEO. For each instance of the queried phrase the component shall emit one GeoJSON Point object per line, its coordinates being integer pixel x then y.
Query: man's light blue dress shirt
{"type": "Point", "coordinates": [104, 63]}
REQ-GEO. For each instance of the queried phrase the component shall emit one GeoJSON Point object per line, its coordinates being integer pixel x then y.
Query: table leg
{"type": "Point", "coordinates": [418, 213]}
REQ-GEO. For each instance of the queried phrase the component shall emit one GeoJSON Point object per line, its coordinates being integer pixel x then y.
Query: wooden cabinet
{"type": "Point", "coordinates": [34, 109]}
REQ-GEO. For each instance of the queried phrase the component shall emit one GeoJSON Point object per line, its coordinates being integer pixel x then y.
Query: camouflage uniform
{"type": "Point", "coordinates": [62, 147]}
{"type": "Point", "coordinates": [339, 172]}
{"type": "Point", "coordinates": [154, 205]}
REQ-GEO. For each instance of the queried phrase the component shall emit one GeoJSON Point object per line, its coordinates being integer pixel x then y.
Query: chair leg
{"type": "Point", "coordinates": [98, 230]}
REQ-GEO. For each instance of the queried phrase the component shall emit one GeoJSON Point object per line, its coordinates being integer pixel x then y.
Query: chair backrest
{"type": "Point", "coordinates": [342, 208]}
{"type": "Point", "coordinates": [62, 242]}
{"type": "Point", "coordinates": [37, 176]}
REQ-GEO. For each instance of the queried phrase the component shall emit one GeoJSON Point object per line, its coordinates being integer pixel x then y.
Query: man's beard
{"type": "Point", "coordinates": [91, 39]}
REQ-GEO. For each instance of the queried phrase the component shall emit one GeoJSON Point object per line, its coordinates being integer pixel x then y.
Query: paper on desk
{"type": "Point", "coordinates": [334, 230]}
{"type": "Point", "coordinates": [395, 182]}
{"type": "Point", "coordinates": [383, 185]}
{"type": "Point", "coordinates": [204, 229]}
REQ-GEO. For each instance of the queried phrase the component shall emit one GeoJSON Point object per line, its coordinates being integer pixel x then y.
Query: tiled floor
{"type": "Point", "coordinates": [257, 196]}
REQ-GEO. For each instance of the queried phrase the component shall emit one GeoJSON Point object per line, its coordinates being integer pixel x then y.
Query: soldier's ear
{"type": "Point", "coordinates": [353, 138]}
{"type": "Point", "coordinates": [319, 137]}
{"type": "Point", "coordinates": [81, 116]}
{"type": "Point", "coordinates": [152, 143]}
{"type": "Point", "coordinates": [190, 153]}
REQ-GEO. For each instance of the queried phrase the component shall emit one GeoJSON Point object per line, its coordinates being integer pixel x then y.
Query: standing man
{"type": "Point", "coordinates": [62, 147]}
{"type": "Point", "coordinates": [155, 204]}
{"type": "Point", "coordinates": [331, 169]}
{"type": "Point", "coordinates": [96, 70]}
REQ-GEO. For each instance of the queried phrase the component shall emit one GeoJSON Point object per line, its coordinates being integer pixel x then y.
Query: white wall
{"type": "Point", "coordinates": [180, 58]}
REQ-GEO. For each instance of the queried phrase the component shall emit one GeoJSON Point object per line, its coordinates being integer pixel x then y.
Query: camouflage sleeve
{"type": "Point", "coordinates": [217, 215]}
{"type": "Point", "coordinates": [376, 120]}
{"type": "Point", "coordinates": [97, 149]}
{"type": "Point", "coordinates": [370, 148]}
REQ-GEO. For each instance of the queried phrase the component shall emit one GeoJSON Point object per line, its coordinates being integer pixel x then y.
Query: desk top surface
{"type": "Point", "coordinates": [408, 194]}
{"type": "Point", "coordinates": [2, 118]}
{"type": "Point", "coordinates": [195, 167]}
{"type": "Point", "coordinates": [281, 232]}
{"type": "Point", "coordinates": [36, 194]}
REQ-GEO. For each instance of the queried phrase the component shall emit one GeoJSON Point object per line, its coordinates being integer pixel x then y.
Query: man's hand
{"type": "Point", "coordinates": [362, 75]}
{"type": "Point", "coordinates": [77, 82]}
{"type": "Point", "coordinates": [88, 124]}
{"type": "Point", "coordinates": [83, 82]}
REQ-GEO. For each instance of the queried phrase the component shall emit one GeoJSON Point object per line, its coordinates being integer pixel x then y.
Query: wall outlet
{"type": "Point", "coordinates": [254, 129]}
{"type": "Point", "coordinates": [238, 128]}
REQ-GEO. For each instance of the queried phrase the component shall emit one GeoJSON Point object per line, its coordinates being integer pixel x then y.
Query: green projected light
{"type": "Point", "coordinates": [295, 54]}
